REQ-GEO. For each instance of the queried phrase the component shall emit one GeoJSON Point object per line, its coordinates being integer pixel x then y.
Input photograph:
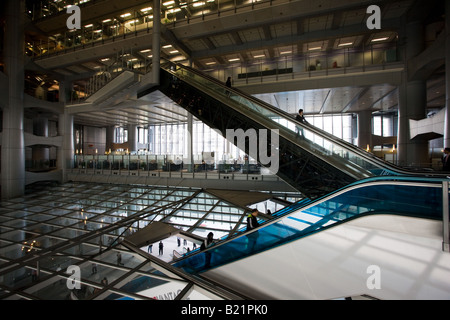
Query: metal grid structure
{"type": "Point", "coordinates": [55, 226]}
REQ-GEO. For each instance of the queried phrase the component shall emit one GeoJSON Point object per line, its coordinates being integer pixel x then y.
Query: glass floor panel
{"type": "Point", "coordinates": [57, 226]}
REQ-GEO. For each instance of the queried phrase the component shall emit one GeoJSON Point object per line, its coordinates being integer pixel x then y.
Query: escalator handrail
{"type": "Point", "coordinates": [367, 156]}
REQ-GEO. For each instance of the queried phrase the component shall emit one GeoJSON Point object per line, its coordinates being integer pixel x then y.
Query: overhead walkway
{"type": "Point", "coordinates": [311, 160]}
{"type": "Point", "coordinates": [322, 249]}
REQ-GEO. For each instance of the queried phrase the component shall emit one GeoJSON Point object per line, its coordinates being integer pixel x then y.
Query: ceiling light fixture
{"type": "Point", "coordinates": [379, 39]}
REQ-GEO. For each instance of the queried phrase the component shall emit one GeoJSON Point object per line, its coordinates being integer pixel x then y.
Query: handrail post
{"type": "Point", "coordinates": [445, 217]}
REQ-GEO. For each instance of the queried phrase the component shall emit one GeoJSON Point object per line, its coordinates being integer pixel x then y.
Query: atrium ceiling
{"type": "Point", "coordinates": [228, 35]}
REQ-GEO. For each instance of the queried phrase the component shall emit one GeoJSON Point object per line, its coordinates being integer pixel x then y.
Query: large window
{"type": "Point", "coordinates": [172, 139]}
{"type": "Point", "coordinates": [120, 135]}
{"type": "Point", "coordinates": [143, 135]}
{"type": "Point", "coordinates": [339, 125]}
{"type": "Point", "coordinates": [385, 125]}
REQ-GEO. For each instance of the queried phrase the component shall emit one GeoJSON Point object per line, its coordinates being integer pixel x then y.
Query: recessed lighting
{"type": "Point", "coordinates": [285, 52]}
{"type": "Point", "coordinates": [146, 9]}
{"type": "Point", "coordinates": [125, 15]}
{"type": "Point", "coordinates": [345, 44]}
{"type": "Point", "coordinates": [235, 59]}
{"type": "Point", "coordinates": [259, 56]}
{"type": "Point", "coordinates": [315, 48]}
{"type": "Point", "coordinates": [380, 39]}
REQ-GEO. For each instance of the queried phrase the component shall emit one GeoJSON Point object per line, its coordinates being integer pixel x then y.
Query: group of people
{"type": "Point", "coordinates": [252, 223]}
{"type": "Point", "coordinates": [160, 247]}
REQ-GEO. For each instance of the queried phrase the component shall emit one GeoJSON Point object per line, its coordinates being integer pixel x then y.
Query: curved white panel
{"type": "Point", "coordinates": [400, 255]}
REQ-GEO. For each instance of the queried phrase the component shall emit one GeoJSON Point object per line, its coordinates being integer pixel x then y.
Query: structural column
{"type": "Point", "coordinates": [110, 130]}
{"type": "Point", "coordinates": [13, 145]}
{"type": "Point", "coordinates": [66, 153]}
{"type": "Point", "coordinates": [365, 129]}
{"type": "Point", "coordinates": [132, 138]}
{"type": "Point", "coordinates": [412, 103]}
{"type": "Point", "coordinates": [447, 76]}
{"type": "Point", "coordinates": [40, 153]}
{"type": "Point", "coordinates": [190, 142]}
{"type": "Point", "coordinates": [156, 40]}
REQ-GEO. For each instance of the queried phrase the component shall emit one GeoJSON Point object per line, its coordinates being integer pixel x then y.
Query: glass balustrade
{"type": "Point", "coordinates": [163, 163]}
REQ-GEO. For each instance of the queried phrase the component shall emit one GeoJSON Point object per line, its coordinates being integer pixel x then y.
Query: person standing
{"type": "Point", "coordinates": [161, 248]}
{"type": "Point", "coordinates": [228, 84]}
{"type": "Point", "coordinates": [300, 118]}
{"type": "Point", "coordinates": [119, 259]}
{"type": "Point", "coordinates": [252, 223]}
{"type": "Point", "coordinates": [207, 243]}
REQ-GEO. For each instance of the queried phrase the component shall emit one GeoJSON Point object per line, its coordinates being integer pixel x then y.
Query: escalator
{"type": "Point", "coordinates": [267, 261]}
{"type": "Point", "coordinates": [314, 162]}
{"type": "Point", "coordinates": [343, 185]}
